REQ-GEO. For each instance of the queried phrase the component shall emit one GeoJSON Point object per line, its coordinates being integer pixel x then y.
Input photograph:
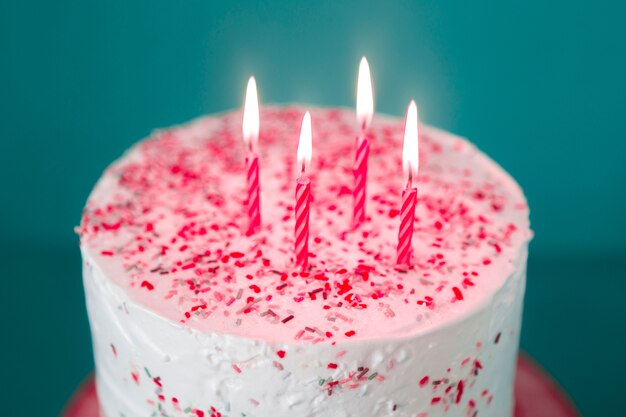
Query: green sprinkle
{"type": "Point", "coordinates": [321, 381]}
{"type": "Point", "coordinates": [372, 376]}
{"type": "Point", "coordinates": [147, 372]}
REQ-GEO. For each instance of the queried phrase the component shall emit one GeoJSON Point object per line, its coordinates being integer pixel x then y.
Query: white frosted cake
{"type": "Point", "coordinates": [191, 317]}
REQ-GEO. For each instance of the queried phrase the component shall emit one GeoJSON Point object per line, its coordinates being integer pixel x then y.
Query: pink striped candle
{"type": "Point", "coordinates": [303, 199]}
{"type": "Point", "coordinates": [251, 137]}
{"type": "Point", "coordinates": [410, 162]}
{"type": "Point", "coordinates": [405, 235]}
{"type": "Point", "coordinates": [254, 209]}
{"type": "Point", "coordinates": [303, 195]}
{"type": "Point", "coordinates": [360, 179]}
{"type": "Point", "coordinates": [364, 111]}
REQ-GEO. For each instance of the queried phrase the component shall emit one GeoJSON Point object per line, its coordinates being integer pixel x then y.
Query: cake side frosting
{"type": "Point", "coordinates": [165, 223]}
{"type": "Point", "coordinates": [190, 317]}
{"type": "Point", "coordinates": [149, 366]}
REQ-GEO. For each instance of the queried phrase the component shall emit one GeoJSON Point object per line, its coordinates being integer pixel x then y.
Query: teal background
{"type": "Point", "coordinates": [539, 85]}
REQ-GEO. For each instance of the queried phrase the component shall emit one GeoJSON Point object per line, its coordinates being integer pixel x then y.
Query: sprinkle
{"type": "Point", "coordinates": [350, 333]}
{"type": "Point", "coordinates": [457, 293]}
{"type": "Point", "coordinates": [372, 376]}
{"type": "Point", "coordinates": [146, 284]}
{"type": "Point", "coordinates": [107, 253]}
{"type": "Point", "coordinates": [286, 319]}
{"type": "Point", "coordinates": [459, 389]}
{"type": "Point", "coordinates": [424, 381]}
{"type": "Point", "coordinates": [236, 368]}
{"type": "Point", "coordinates": [281, 353]}
{"type": "Point", "coordinates": [332, 365]}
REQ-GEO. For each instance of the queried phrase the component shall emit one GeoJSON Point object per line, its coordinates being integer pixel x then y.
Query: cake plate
{"type": "Point", "coordinates": [536, 395]}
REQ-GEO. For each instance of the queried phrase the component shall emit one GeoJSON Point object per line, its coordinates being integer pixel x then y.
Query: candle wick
{"type": "Point", "coordinates": [409, 183]}
{"type": "Point", "coordinates": [303, 166]}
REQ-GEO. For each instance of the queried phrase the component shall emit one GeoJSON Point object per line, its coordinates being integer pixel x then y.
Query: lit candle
{"type": "Point", "coordinates": [251, 138]}
{"type": "Point", "coordinates": [364, 113]}
{"type": "Point", "coordinates": [410, 164]}
{"type": "Point", "coordinates": [303, 194]}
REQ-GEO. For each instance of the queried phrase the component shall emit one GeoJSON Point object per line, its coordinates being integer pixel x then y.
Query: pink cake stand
{"type": "Point", "coordinates": [536, 395]}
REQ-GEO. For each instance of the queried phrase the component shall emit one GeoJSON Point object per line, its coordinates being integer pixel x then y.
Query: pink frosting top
{"type": "Point", "coordinates": [166, 223]}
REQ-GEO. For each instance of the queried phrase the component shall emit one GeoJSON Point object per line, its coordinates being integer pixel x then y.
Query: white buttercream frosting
{"type": "Point", "coordinates": [191, 317]}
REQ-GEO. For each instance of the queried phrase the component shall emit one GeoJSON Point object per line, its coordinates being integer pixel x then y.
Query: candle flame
{"type": "Point", "coordinates": [251, 115]}
{"type": "Point", "coordinates": [305, 146]}
{"type": "Point", "coordinates": [410, 151]}
{"type": "Point", "coordinates": [364, 95]}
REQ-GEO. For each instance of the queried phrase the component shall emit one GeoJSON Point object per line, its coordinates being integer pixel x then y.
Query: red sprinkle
{"type": "Point", "coordinates": [146, 284]}
{"type": "Point", "coordinates": [350, 333]}
{"type": "Point", "coordinates": [459, 389]}
{"type": "Point", "coordinates": [332, 365]}
{"type": "Point", "coordinates": [457, 293]}
{"type": "Point", "coordinates": [281, 353]}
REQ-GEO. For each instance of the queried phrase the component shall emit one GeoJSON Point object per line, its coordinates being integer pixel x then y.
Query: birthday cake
{"type": "Point", "coordinates": [192, 316]}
